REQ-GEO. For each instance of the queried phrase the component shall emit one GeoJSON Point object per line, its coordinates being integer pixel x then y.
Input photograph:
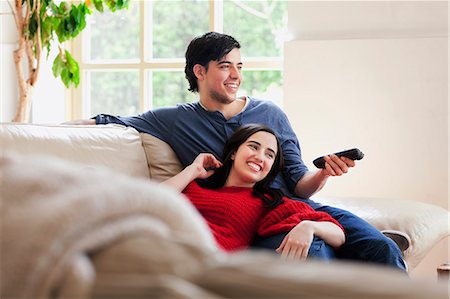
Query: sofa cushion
{"type": "Point", "coordinates": [425, 224]}
{"type": "Point", "coordinates": [162, 161]}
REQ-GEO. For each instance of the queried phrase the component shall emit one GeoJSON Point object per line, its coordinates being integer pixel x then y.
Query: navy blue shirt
{"type": "Point", "coordinates": [190, 129]}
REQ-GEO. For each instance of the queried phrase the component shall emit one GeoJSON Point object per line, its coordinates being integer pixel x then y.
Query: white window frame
{"type": "Point", "coordinates": [77, 107]}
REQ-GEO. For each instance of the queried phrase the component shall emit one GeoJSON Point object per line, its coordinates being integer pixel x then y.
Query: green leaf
{"type": "Point", "coordinates": [58, 66]}
{"type": "Point", "coordinates": [67, 68]}
{"type": "Point", "coordinates": [33, 25]}
{"type": "Point", "coordinates": [98, 5]}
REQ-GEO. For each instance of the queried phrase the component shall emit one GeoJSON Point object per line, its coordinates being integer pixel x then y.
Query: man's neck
{"type": "Point", "coordinates": [228, 110]}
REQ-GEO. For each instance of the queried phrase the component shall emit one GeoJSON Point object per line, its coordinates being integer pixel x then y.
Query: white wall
{"type": "Point", "coordinates": [48, 93]}
{"type": "Point", "coordinates": [373, 75]}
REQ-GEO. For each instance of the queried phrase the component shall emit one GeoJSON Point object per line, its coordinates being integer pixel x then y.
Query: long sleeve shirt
{"type": "Point", "coordinates": [235, 215]}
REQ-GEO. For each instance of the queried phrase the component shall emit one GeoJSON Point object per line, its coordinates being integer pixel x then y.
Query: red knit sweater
{"type": "Point", "coordinates": [235, 215]}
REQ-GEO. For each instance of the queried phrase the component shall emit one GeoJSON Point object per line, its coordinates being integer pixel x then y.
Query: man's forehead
{"type": "Point", "coordinates": [235, 53]}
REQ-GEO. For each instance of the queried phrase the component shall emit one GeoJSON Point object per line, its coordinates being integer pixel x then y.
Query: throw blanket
{"type": "Point", "coordinates": [56, 215]}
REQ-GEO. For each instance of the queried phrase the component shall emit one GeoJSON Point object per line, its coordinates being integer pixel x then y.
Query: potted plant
{"type": "Point", "coordinates": [42, 25]}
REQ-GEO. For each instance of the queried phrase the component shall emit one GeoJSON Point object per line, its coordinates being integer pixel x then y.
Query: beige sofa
{"type": "Point", "coordinates": [84, 217]}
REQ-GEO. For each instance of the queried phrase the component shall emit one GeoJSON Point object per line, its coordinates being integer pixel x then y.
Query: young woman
{"type": "Point", "coordinates": [235, 198]}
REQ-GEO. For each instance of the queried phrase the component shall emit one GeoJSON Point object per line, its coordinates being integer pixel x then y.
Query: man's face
{"type": "Point", "coordinates": [223, 78]}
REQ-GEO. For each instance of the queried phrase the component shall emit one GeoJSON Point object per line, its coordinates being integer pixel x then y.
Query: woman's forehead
{"type": "Point", "coordinates": [264, 138]}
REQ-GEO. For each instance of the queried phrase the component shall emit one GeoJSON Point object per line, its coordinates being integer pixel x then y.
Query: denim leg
{"type": "Point", "coordinates": [364, 242]}
{"type": "Point", "coordinates": [271, 242]}
{"type": "Point", "coordinates": [321, 251]}
{"type": "Point", "coordinates": [318, 249]}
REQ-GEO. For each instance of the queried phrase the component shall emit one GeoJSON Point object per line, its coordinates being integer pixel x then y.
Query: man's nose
{"type": "Point", "coordinates": [235, 73]}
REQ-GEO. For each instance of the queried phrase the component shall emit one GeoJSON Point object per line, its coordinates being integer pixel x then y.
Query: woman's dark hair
{"type": "Point", "coordinates": [210, 46]}
{"type": "Point", "coordinates": [261, 188]}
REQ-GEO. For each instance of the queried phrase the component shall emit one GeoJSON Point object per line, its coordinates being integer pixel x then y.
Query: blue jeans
{"type": "Point", "coordinates": [363, 241]}
{"type": "Point", "coordinates": [318, 249]}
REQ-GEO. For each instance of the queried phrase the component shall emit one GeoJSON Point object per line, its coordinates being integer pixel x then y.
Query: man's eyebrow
{"type": "Point", "coordinates": [228, 62]}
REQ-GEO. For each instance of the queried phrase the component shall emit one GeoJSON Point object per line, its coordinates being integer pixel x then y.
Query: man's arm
{"type": "Point", "coordinates": [313, 181]}
{"type": "Point", "coordinates": [80, 122]}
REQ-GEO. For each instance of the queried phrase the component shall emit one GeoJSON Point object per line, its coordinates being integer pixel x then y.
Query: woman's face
{"type": "Point", "coordinates": [253, 160]}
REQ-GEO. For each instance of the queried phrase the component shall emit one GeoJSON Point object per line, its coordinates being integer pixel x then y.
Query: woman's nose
{"type": "Point", "coordinates": [259, 156]}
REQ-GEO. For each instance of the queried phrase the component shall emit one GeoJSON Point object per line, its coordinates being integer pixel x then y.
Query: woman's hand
{"type": "Point", "coordinates": [202, 167]}
{"type": "Point", "coordinates": [296, 243]}
{"type": "Point", "coordinates": [205, 164]}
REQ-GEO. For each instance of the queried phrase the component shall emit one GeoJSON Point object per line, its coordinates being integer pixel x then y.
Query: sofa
{"type": "Point", "coordinates": [83, 216]}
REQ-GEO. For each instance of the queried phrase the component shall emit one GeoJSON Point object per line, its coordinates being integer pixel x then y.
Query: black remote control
{"type": "Point", "coordinates": [352, 154]}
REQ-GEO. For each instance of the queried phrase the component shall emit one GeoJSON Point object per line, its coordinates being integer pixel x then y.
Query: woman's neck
{"type": "Point", "coordinates": [231, 182]}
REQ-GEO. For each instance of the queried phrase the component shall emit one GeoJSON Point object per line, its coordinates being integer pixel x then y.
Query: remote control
{"type": "Point", "coordinates": [352, 154]}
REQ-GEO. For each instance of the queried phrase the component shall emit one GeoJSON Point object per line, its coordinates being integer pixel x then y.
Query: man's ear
{"type": "Point", "coordinates": [199, 71]}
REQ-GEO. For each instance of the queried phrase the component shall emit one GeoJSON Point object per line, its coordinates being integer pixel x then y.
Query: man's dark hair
{"type": "Point", "coordinates": [210, 46]}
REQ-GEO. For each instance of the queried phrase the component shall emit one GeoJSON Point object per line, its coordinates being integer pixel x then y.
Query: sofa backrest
{"type": "Point", "coordinates": [162, 161]}
{"type": "Point", "coordinates": [112, 146]}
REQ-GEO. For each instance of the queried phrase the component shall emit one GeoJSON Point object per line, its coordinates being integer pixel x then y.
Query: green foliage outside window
{"type": "Point", "coordinates": [174, 24]}
{"type": "Point", "coordinates": [257, 25]}
{"type": "Point", "coordinates": [115, 36]}
{"type": "Point", "coordinates": [118, 93]}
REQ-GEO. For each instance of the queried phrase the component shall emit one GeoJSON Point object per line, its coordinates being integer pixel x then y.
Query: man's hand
{"type": "Point", "coordinates": [335, 166]}
{"type": "Point", "coordinates": [80, 122]}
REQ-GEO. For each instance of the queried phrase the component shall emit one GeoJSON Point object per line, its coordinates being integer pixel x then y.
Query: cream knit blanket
{"type": "Point", "coordinates": [55, 215]}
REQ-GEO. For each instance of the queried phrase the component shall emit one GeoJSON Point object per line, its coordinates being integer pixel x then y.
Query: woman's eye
{"type": "Point", "coordinates": [271, 156]}
{"type": "Point", "coordinates": [253, 146]}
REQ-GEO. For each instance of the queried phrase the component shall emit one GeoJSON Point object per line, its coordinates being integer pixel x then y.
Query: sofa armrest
{"type": "Point", "coordinates": [425, 224]}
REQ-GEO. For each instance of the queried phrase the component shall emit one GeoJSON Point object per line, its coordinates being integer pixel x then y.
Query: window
{"type": "Point", "coordinates": [133, 60]}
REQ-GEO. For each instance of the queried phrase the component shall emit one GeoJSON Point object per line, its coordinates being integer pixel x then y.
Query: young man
{"type": "Point", "coordinates": [213, 69]}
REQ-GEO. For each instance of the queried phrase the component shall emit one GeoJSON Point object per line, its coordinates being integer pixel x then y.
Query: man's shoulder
{"type": "Point", "coordinates": [181, 107]}
{"type": "Point", "coordinates": [260, 104]}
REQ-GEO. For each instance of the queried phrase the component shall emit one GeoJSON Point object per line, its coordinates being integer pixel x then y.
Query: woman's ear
{"type": "Point", "coordinates": [199, 71]}
{"type": "Point", "coordinates": [233, 155]}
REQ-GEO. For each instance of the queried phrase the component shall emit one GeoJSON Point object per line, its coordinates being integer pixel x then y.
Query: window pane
{"type": "Point", "coordinates": [174, 24]}
{"type": "Point", "coordinates": [114, 92]}
{"type": "Point", "coordinates": [266, 85]}
{"type": "Point", "coordinates": [170, 88]}
{"type": "Point", "coordinates": [114, 36]}
{"type": "Point", "coordinates": [258, 25]}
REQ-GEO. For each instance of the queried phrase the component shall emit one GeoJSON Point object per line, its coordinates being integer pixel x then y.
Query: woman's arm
{"type": "Point", "coordinates": [198, 169]}
{"type": "Point", "coordinates": [302, 223]}
{"type": "Point", "coordinates": [297, 242]}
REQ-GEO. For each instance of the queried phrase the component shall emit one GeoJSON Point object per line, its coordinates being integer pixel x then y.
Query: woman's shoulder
{"type": "Point", "coordinates": [194, 186]}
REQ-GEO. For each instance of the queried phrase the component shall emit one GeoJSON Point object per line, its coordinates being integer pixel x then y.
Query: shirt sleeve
{"type": "Point", "coordinates": [158, 122]}
{"type": "Point", "coordinates": [294, 167]}
{"type": "Point", "coordinates": [287, 215]}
